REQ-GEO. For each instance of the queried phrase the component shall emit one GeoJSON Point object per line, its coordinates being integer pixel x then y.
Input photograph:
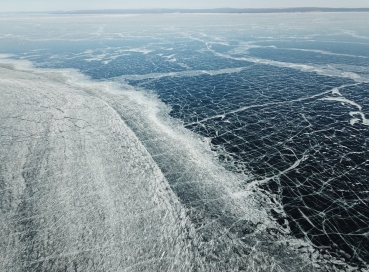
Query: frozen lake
{"type": "Point", "coordinates": [184, 142]}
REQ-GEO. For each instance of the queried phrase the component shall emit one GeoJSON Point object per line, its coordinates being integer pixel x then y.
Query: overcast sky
{"type": "Point", "coordinates": [45, 5]}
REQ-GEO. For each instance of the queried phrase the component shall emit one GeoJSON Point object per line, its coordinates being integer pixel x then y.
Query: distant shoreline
{"type": "Point", "coordinates": [194, 11]}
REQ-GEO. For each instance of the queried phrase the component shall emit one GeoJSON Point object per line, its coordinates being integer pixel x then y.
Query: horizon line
{"type": "Point", "coordinates": [195, 10]}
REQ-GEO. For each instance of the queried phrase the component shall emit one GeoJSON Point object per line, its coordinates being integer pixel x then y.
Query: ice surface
{"type": "Point", "coordinates": [256, 137]}
{"type": "Point", "coordinates": [343, 100]}
{"type": "Point", "coordinates": [81, 192]}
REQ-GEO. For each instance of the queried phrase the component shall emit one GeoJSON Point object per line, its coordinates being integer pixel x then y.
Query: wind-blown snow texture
{"type": "Point", "coordinates": [199, 143]}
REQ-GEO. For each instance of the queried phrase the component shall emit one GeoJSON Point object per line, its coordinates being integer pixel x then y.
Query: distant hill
{"type": "Point", "coordinates": [218, 10]}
